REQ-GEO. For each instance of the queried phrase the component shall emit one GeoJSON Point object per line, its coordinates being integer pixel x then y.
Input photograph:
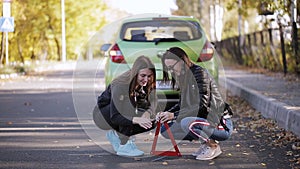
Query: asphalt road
{"type": "Point", "coordinates": [45, 122]}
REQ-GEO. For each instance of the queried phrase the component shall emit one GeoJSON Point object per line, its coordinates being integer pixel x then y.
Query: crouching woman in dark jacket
{"type": "Point", "coordinates": [127, 107]}
{"type": "Point", "coordinates": [201, 113]}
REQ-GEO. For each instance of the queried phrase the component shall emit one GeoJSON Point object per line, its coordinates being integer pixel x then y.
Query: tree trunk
{"type": "Point", "coordinates": [282, 49]}
{"type": "Point", "coordinates": [58, 49]}
{"type": "Point", "coordinates": [2, 49]}
{"type": "Point", "coordinates": [20, 50]}
{"type": "Point", "coordinates": [56, 41]}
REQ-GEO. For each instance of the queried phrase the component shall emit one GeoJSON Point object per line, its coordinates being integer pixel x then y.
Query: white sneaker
{"type": "Point", "coordinates": [209, 153]}
{"type": "Point", "coordinates": [200, 150]}
{"type": "Point", "coordinates": [129, 149]}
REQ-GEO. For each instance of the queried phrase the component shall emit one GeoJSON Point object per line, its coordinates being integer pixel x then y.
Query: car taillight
{"type": "Point", "coordinates": [116, 55]}
{"type": "Point", "coordinates": [206, 53]}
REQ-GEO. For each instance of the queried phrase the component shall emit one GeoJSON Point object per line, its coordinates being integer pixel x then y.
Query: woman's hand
{"type": "Point", "coordinates": [164, 116]}
{"type": "Point", "coordinates": [143, 122]}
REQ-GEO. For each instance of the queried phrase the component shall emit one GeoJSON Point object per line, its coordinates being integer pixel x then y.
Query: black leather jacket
{"type": "Point", "coordinates": [122, 110]}
{"type": "Point", "coordinates": [199, 96]}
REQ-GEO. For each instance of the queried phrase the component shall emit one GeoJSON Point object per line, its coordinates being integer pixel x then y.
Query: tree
{"type": "Point", "coordinates": [83, 21]}
{"type": "Point", "coordinates": [37, 34]}
{"type": "Point", "coordinates": [199, 9]}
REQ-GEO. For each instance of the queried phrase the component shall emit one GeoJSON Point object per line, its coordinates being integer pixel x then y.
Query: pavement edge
{"type": "Point", "coordinates": [286, 116]}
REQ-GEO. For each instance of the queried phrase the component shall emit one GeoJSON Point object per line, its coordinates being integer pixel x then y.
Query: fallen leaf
{"type": "Point", "coordinates": [246, 153]}
{"type": "Point", "coordinates": [296, 146]}
{"type": "Point", "coordinates": [263, 164]}
{"type": "Point", "coordinates": [289, 153]}
{"type": "Point", "coordinates": [211, 163]}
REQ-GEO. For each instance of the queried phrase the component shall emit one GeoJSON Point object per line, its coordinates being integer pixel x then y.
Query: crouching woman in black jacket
{"type": "Point", "coordinates": [127, 107]}
{"type": "Point", "coordinates": [201, 113]}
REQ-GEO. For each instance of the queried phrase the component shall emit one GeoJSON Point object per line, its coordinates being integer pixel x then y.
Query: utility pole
{"type": "Point", "coordinates": [212, 20]}
{"type": "Point", "coordinates": [219, 10]}
{"type": "Point", "coordinates": [63, 32]}
{"type": "Point", "coordinates": [7, 25]}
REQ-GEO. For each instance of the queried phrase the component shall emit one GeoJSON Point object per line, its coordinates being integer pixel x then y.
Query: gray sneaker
{"type": "Point", "coordinates": [200, 150]}
{"type": "Point", "coordinates": [209, 153]}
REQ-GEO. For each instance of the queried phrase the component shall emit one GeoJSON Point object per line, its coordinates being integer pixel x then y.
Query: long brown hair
{"type": "Point", "coordinates": [174, 53]}
{"type": "Point", "coordinates": [130, 76]}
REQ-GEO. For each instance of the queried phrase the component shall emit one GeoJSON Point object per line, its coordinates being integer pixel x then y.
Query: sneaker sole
{"type": "Point", "coordinates": [212, 157]}
{"type": "Point", "coordinates": [128, 155]}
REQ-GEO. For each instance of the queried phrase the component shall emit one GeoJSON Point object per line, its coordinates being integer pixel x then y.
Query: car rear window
{"type": "Point", "coordinates": [160, 29]}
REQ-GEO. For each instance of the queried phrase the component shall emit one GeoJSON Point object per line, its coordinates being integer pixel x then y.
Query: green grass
{"type": "Point", "coordinates": [18, 69]}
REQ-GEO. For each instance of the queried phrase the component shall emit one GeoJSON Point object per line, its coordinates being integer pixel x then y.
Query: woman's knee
{"type": "Point", "coordinates": [186, 123]}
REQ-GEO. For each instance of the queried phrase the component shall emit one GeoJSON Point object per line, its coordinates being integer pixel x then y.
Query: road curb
{"type": "Point", "coordinates": [286, 116]}
{"type": "Point", "coordinates": [10, 75]}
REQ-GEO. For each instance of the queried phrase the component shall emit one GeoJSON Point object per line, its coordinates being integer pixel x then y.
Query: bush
{"type": "Point", "coordinates": [18, 69]}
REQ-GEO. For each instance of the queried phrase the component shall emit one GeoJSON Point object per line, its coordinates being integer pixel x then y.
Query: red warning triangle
{"type": "Point", "coordinates": [164, 153]}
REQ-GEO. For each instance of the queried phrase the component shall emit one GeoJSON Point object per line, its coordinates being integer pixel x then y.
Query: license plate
{"type": "Point", "coordinates": [164, 85]}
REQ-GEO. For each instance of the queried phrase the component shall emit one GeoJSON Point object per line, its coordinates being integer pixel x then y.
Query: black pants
{"type": "Point", "coordinates": [102, 120]}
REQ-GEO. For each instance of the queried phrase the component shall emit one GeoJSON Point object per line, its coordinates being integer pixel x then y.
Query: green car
{"type": "Point", "coordinates": [152, 35]}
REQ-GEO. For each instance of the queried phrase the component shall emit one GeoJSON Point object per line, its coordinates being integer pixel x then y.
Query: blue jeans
{"type": "Point", "coordinates": [194, 128]}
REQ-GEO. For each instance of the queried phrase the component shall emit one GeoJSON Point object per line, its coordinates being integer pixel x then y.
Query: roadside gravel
{"type": "Point", "coordinates": [266, 138]}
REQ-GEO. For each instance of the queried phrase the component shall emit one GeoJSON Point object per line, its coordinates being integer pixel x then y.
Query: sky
{"type": "Point", "coordinates": [144, 6]}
